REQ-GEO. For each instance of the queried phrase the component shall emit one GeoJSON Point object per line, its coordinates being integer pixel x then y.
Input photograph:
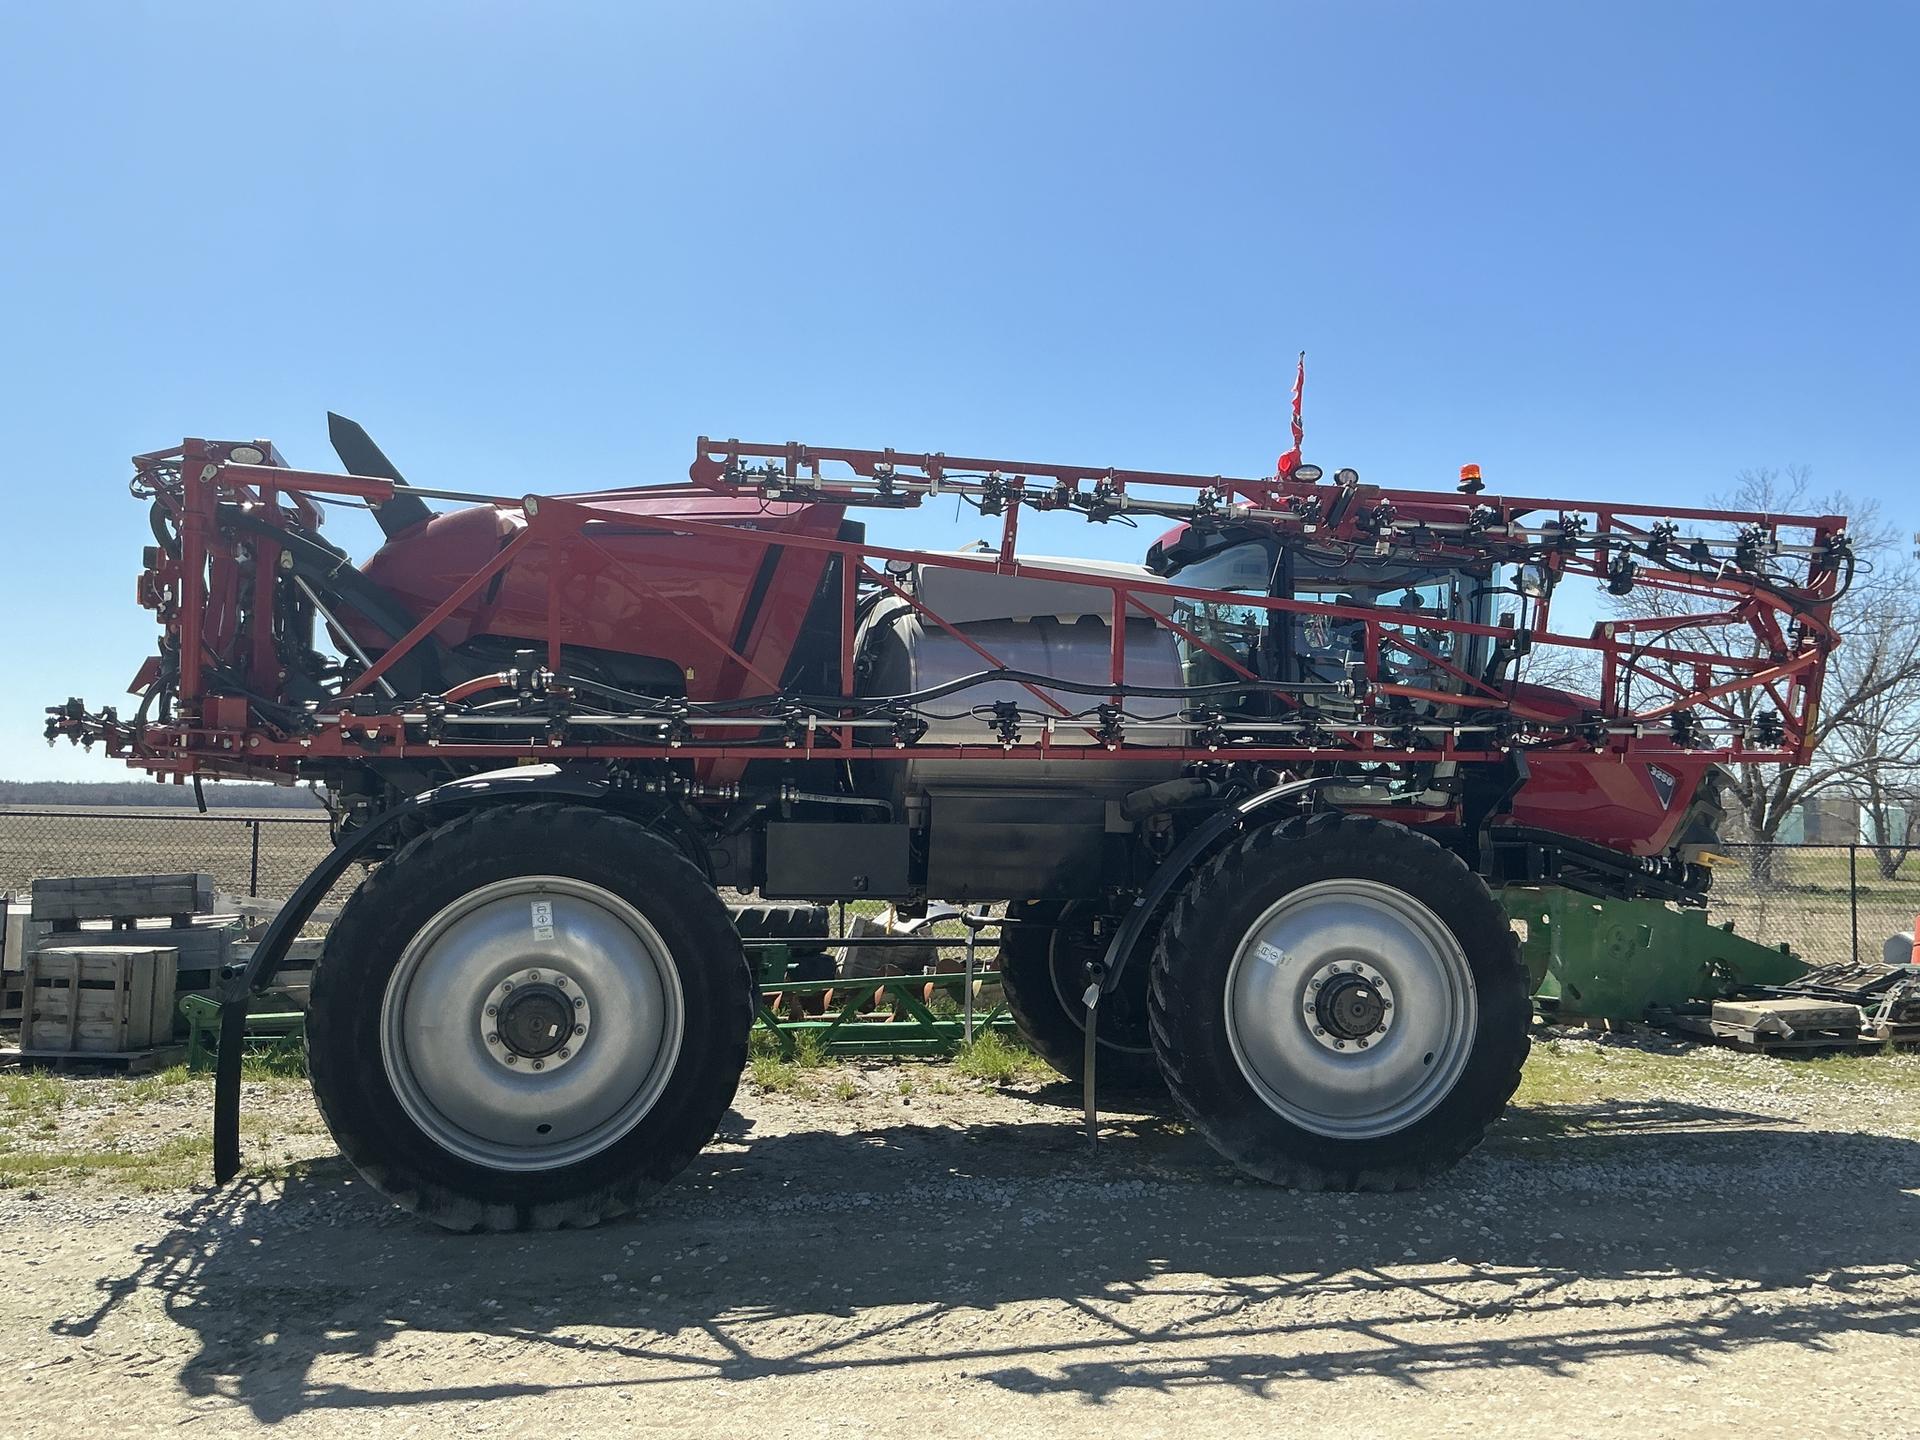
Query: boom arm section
{"type": "Point", "coordinates": [238, 529]}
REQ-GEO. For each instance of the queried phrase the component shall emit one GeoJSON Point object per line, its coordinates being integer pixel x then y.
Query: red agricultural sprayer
{"type": "Point", "coordinates": [1252, 805]}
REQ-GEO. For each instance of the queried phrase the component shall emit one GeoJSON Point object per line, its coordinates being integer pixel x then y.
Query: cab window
{"type": "Point", "coordinates": [1236, 630]}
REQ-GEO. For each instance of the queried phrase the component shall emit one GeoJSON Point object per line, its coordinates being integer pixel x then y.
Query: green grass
{"type": "Point", "coordinates": [769, 1074]}
{"type": "Point", "coordinates": [1576, 1075]}
{"type": "Point", "coordinates": [29, 1101]}
{"type": "Point", "coordinates": [993, 1059]}
{"type": "Point", "coordinates": [153, 1087]}
{"type": "Point", "coordinates": [282, 1060]}
{"type": "Point", "coordinates": [1882, 1070]}
{"type": "Point", "coordinates": [1563, 1074]}
{"type": "Point", "coordinates": [172, 1165]}
{"type": "Point", "coordinates": [769, 1071]}
{"type": "Point", "coordinates": [95, 1130]}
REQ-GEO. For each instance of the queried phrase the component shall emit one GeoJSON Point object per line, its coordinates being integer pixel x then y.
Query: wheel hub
{"type": "Point", "coordinates": [1348, 1006]}
{"type": "Point", "coordinates": [537, 1017]}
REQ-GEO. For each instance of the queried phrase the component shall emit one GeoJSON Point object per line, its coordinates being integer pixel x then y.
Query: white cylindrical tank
{"type": "Point", "coordinates": [1044, 627]}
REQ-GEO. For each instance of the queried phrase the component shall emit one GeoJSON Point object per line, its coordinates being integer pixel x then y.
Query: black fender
{"type": "Point", "coordinates": [1103, 974]}
{"type": "Point", "coordinates": [240, 984]}
{"type": "Point", "coordinates": [1177, 866]}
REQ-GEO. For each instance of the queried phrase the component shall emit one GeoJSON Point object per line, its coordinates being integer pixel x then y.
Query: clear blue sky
{"type": "Point", "coordinates": [1604, 249]}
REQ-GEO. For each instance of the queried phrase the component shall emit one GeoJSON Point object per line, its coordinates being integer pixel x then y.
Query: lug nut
{"type": "Point", "coordinates": [493, 1037]}
{"type": "Point", "coordinates": [533, 974]}
{"type": "Point", "coordinates": [564, 1052]}
{"type": "Point", "coordinates": [493, 1009]}
{"type": "Point", "coordinates": [539, 1064]}
{"type": "Point", "coordinates": [506, 984]}
{"type": "Point", "coordinates": [560, 980]}
{"type": "Point", "coordinates": [513, 1059]}
{"type": "Point", "coordinates": [579, 1002]}
{"type": "Point", "coordinates": [579, 1029]}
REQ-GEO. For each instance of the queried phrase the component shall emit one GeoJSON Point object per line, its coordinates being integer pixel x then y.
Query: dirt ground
{"type": "Point", "coordinates": [1656, 1242]}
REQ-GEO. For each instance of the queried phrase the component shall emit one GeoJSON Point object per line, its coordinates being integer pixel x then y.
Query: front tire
{"type": "Point", "coordinates": [530, 1017]}
{"type": "Point", "coordinates": [1338, 1004]}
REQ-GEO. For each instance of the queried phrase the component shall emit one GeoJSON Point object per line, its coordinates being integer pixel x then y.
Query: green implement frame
{"type": "Point", "coordinates": [1603, 959]}
{"type": "Point", "coordinates": [271, 1020]}
{"type": "Point", "coordinates": [901, 1023]}
{"type": "Point", "coordinates": [904, 1021]}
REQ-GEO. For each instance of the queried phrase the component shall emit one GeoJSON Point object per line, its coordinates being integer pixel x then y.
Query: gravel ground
{"type": "Point", "coordinates": [1657, 1241]}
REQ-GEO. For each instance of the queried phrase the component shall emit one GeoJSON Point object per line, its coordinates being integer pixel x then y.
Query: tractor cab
{"type": "Point", "coordinates": [1328, 642]}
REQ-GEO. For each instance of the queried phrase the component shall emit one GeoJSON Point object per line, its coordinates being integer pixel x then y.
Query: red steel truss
{"type": "Point", "coordinates": [1775, 575]}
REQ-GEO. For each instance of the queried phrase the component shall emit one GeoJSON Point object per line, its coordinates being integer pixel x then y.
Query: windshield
{"type": "Point", "coordinates": [1295, 647]}
{"type": "Point", "coordinates": [1329, 648]}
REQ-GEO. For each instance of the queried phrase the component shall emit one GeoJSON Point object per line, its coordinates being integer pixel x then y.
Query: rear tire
{"type": "Point", "coordinates": [808, 931]}
{"type": "Point", "coordinates": [810, 926]}
{"type": "Point", "coordinates": [1338, 1004]}
{"type": "Point", "coordinates": [481, 1112]}
{"type": "Point", "coordinates": [1043, 958]}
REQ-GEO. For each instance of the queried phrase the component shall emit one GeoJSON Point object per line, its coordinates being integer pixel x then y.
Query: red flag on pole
{"type": "Point", "coordinates": [1292, 458]}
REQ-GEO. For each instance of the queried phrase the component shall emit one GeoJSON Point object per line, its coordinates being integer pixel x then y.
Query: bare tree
{"type": "Point", "coordinates": [1878, 742]}
{"type": "Point", "coordinates": [1866, 736]}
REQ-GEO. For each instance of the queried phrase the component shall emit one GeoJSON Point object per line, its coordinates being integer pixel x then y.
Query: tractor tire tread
{"type": "Point", "coordinates": [424, 1181]}
{"type": "Point", "coordinates": [1240, 1126]}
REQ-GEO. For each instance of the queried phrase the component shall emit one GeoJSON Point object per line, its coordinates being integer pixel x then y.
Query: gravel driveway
{"type": "Point", "coordinates": [1656, 1242]}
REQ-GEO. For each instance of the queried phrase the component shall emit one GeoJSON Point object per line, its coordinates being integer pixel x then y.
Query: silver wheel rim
{"type": "Point", "coordinates": [1422, 1013]}
{"type": "Point", "coordinates": [471, 1092]}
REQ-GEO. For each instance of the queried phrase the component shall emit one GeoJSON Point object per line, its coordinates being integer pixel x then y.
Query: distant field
{"type": "Point", "coordinates": [79, 840]}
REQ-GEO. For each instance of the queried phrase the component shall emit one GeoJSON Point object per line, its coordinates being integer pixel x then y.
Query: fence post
{"type": "Point", "coordinates": [253, 865]}
{"type": "Point", "coordinates": [1853, 897]}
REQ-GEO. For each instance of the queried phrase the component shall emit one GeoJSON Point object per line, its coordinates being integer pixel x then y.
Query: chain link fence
{"type": "Point", "coordinates": [1830, 903]}
{"type": "Point", "coordinates": [248, 853]}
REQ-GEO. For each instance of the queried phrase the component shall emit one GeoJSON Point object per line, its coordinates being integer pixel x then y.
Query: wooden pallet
{"type": "Point", "coordinates": [1759, 1041]}
{"type": "Point", "coordinates": [1892, 1034]}
{"type": "Point", "coordinates": [72, 898]}
{"type": "Point", "coordinates": [125, 1062]}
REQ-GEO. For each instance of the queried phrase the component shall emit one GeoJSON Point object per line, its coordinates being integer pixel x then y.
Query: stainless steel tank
{"type": "Point", "coordinates": [1044, 627]}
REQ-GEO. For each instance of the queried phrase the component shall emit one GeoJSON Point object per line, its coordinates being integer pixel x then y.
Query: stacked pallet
{"type": "Point", "coordinates": [140, 911]}
{"type": "Point", "coordinates": [98, 983]}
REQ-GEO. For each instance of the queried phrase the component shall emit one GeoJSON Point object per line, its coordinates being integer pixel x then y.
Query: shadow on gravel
{"type": "Point", "coordinates": [1578, 1233]}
